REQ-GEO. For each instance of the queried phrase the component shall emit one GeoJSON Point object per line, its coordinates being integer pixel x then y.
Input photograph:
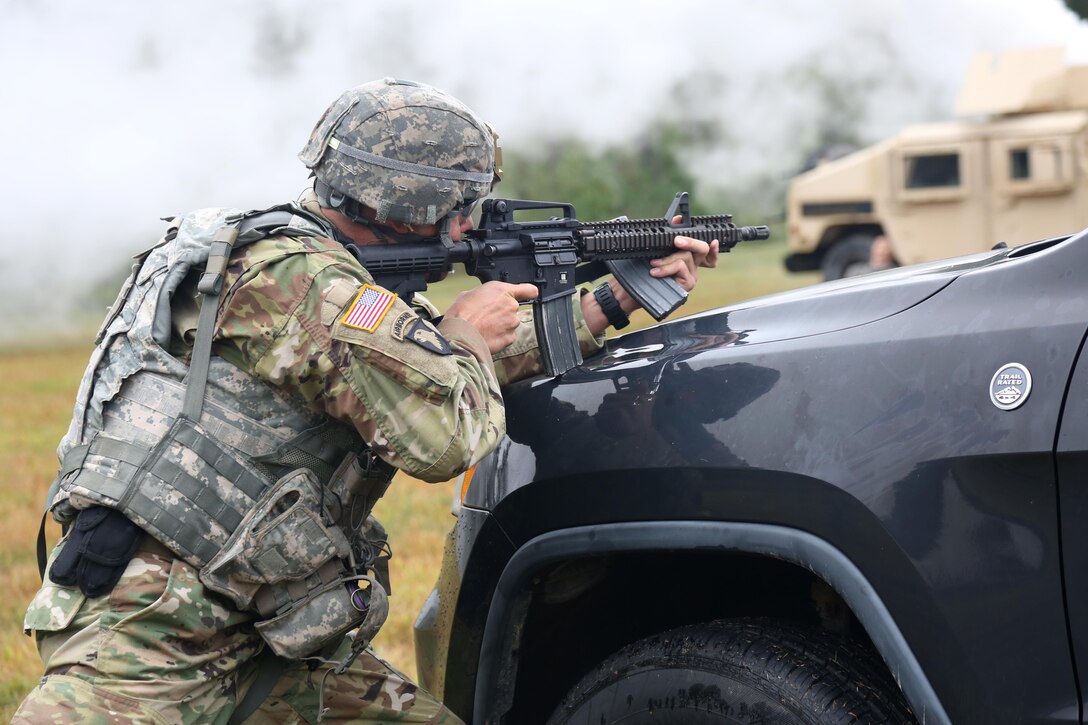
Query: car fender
{"type": "Point", "coordinates": [784, 543]}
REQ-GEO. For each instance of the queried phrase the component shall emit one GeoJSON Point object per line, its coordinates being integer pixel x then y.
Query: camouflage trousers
{"type": "Point", "coordinates": [159, 649]}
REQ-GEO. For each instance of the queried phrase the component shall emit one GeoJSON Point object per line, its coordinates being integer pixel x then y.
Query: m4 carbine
{"type": "Point", "coordinates": [556, 255]}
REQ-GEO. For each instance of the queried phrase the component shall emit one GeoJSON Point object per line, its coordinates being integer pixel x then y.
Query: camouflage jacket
{"type": "Point", "coordinates": [280, 319]}
{"type": "Point", "coordinates": [430, 414]}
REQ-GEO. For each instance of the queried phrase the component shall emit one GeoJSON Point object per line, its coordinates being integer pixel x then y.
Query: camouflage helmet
{"type": "Point", "coordinates": [410, 152]}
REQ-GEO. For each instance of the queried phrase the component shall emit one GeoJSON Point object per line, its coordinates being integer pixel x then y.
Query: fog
{"type": "Point", "coordinates": [117, 114]}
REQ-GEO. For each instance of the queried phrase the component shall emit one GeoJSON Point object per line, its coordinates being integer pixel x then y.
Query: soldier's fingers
{"type": "Point", "coordinates": [682, 269]}
{"type": "Point", "coordinates": [518, 292]}
{"type": "Point", "coordinates": [525, 291]}
{"type": "Point", "coordinates": [685, 257]}
{"type": "Point", "coordinates": [711, 259]}
{"type": "Point", "coordinates": [700, 250]}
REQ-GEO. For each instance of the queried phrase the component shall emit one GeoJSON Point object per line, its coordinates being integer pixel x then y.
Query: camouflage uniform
{"type": "Point", "coordinates": [159, 648]}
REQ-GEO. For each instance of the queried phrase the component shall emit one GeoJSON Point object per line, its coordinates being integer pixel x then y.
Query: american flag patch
{"type": "Point", "coordinates": [369, 308]}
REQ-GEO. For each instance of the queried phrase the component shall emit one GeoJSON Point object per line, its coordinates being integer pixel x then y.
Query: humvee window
{"type": "Point", "coordinates": [926, 172]}
{"type": "Point", "coordinates": [1019, 164]}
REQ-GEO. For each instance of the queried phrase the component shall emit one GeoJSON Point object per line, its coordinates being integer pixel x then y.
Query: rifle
{"type": "Point", "coordinates": [556, 255]}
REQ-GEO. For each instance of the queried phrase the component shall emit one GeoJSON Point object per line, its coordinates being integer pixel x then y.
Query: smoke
{"type": "Point", "coordinates": [118, 114]}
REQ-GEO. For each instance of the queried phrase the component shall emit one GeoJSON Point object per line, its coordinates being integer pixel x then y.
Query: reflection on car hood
{"type": "Point", "coordinates": [817, 309]}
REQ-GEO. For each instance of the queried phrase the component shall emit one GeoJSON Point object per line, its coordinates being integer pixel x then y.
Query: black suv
{"type": "Point", "coordinates": [856, 502]}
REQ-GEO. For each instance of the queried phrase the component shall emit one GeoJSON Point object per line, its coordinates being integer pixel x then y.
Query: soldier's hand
{"type": "Point", "coordinates": [704, 255]}
{"type": "Point", "coordinates": [682, 264]}
{"type": "Point", "coordinates": [492, 308]}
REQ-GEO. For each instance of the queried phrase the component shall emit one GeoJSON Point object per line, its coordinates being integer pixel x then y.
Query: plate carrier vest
{"type": "Point", "coordinates": [269, 500]}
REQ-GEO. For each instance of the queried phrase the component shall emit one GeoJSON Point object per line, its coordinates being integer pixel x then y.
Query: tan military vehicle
{"type": "Point", "coordinates": [1012, 169]}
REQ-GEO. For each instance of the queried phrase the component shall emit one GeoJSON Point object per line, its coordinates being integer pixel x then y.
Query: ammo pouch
{"type": "Point", "coordinates": [296, 552]}
{"type": "Point", "coordinates": [294, 567]}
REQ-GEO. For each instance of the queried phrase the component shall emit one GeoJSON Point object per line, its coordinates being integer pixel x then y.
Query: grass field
{"type": "Point", "coordinates": [37, 386]}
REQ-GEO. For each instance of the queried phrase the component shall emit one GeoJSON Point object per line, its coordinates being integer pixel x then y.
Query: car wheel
{"type": "Point", "coordinates": [737, 671]}
{"type": "Point", "coordinates": [848, 257]}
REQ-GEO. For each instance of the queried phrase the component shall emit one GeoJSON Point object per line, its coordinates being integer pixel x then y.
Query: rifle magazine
{"type": "Point", "coordinates": [554, 320]}
{"type": "Point", "coordinates": [658, 296]}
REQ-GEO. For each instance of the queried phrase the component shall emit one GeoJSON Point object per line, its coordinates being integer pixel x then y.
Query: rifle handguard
{"type": "Point", "coordinates": [557, 254]}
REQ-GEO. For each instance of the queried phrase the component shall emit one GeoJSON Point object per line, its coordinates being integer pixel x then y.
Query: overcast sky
{"type": "Point", "coordinates": [118, 113]}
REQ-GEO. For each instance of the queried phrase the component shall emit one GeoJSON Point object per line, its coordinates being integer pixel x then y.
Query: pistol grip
{"type": "Point", "coordinates": [659, 296]}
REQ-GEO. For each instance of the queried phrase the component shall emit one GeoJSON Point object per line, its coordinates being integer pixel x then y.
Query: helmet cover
{"type": "Point", "coordinates": [409, 151]}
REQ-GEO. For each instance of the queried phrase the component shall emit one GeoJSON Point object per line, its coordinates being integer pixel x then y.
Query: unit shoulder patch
{"type": "Point", "coordinates": [428, 337]}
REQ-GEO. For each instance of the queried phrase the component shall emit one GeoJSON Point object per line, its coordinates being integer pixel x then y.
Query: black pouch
{"type": "Point", "coordinates": [100, 545]}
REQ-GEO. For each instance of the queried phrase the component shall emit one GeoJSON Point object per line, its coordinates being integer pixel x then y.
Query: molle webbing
{"type": "Point", "coordinates": [180, 458]}
{"type": "Point", "coordinates": [156, 400]}
{"type": "Point", "coordinates": [216, 489]}
{"type": "Point", "coordinates": [271, 601]}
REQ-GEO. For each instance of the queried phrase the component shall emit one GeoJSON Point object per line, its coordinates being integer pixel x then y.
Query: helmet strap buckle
{"type": "Point", "coordinates": [444, 232]}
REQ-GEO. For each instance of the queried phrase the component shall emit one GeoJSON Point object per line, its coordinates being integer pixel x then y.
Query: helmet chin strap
{"type": "Point", "coordinates": [353, 210]}
{"type": "Point", "coordinates": [444, 231]}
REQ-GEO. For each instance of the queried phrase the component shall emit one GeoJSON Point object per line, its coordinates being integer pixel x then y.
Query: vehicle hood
{"type": "Point", "coordinates": [813, 310]}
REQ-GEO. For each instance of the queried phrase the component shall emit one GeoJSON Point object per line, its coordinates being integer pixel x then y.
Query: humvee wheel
{"type": "Point", "coordinates": [740, 672]}
{"type": "Point", "coordinates": [848, 257]}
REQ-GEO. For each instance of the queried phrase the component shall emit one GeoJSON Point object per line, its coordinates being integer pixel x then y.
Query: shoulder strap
{"type": "Point", "coordinates": [211, 287]}
{"type": "Point", "coordinates": [284, 219]}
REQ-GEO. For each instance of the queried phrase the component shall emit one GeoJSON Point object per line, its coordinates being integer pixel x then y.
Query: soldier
{"type": "Point", "coordinates": [251, 393]}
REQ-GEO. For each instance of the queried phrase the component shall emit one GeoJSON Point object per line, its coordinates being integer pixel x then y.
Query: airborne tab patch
{"type": "Point", "coordinates": [368, 309]}
{"type": "Point", "coordinates": [426, 336]}
{"type": "Point", "coordinates": [400, 325]}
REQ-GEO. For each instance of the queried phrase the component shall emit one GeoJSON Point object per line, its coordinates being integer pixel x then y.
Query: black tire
{"type": "Point", "coordinates": [848, 257]}
{"type": "Point", "coordinates": [741, 672]}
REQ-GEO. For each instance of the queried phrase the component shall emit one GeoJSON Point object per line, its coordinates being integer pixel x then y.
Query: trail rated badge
{"type": "Point", "coordinates": [1010, 386]}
